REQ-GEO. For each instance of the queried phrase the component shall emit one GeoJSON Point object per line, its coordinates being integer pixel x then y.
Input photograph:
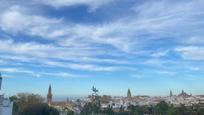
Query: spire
{"type": "Point", "coordinates": [129, 94]}
{"type": "Point", "coordinates": [182, 92]}
{"type": "Point", "coordinates": [49, 95]}
{"type": "Point", "coordinates": [50, 90]}
{"type": "Point", "coordinates": [0, 80]}
{"type": "Point", "coordinates": [171, 94]}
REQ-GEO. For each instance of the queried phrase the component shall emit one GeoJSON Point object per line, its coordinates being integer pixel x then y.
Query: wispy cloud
{"type": "Point", "coordinates": [33, 52]}
{"type": "Point", "coordinates": [191, 52]}
{"type": "Point", "coordinates": [93, 4]}
{"type": "Point", "coordinates": [151, 39]}
{"type": "Point", "coordinates": [13, 71]}
{"type": "Point", "coordinates": [25, 23]}
{"type": "Point", "coordinates": [62, 74]}
{"type": "Point", "coordinates": [160, 53]}
{"type": "Point", "coordinates": [157, 27]}
{"type": "Point", "coordinates": [17, 70]}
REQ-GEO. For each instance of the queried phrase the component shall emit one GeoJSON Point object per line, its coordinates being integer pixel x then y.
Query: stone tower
{"type": "Point", "coordinates": [171, 94]}
{"type": "Point", "coordinates": [0, 80]}
{"type": "Point", "coordinates": [129, 94]}
{"type": "Point", "coordinates": [49, 96]}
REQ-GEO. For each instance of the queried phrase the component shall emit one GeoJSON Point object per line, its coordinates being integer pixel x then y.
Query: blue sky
{"type": "Point", "coordinates": [149, 46]}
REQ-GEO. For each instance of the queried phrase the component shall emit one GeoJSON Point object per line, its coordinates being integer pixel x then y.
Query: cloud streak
{"type": "Point", "coordinates": [191, 52]}
{"type": "Point", "coordinates": [154, 31]}
{"type": "Point", "coordinates": [92, 4]}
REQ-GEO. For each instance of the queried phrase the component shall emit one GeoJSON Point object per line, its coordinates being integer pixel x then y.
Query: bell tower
{"type": "Point", "coordinates": [171, 94]}
{"type": "Point", "coordinates": [49, 96]}
{"type": "Point", "coordinates": [0, 80]}
{"type": "Point", "coordinates": [129, 94]}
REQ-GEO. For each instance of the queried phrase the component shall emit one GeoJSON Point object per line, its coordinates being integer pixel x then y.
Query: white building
{"type": "Point", "coordinates": [5, 105]}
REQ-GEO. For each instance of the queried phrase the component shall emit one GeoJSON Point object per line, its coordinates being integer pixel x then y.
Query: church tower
{"type": "Point", "coordinates": [0, 80]}
{"type": "Point", "coordinates": [49, 96]}
{"type": "Point", "coordinates": [171, 94]}
{"type": "Point", "coordinates": [129, 94]}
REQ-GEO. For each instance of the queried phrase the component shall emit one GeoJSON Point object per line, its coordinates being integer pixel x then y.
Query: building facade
{"type": "Point", "coordinates": [6, 105]}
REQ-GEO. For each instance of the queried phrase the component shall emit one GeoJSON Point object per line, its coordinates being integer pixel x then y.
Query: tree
{"type": "Point", "coordinates": [108, 110]}
{"type": "Point", "coordinates": [135, 110]}
{"type": "Point", "coordinates": [69, 112]}
{"type": "Point", "coordinates": [31, 104]}
{"type": "Point", "coordinates": [90, 108]}
{"type": "Point", "coordinates": [161, 108]}
{"type": "Point", "coordinates": [201, 111]}
{"type": "Point", "coordinates": [181, 110]}
{"type": "Point", "coordinates": [39, 109]}
{"type": "Point", "coordinates": [93, 107]}
{"type": "Point", "coordinates": [171, 111]}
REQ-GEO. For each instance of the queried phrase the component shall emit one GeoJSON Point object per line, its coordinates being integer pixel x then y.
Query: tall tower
{"type": "Point", "coordinates": [129, 94]}
{"type": "Point", "coordinates": [182, 92]}
{"type": "Point", "coordinates": [171, 94]}
{"type": "Point", "coordinates": [0, 80]}
{"type": "Point", "coordinates": [49, 96]}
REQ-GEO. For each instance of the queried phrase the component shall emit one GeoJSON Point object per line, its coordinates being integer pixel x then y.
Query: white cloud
{"type": "Point", "coordinates": [61, 74]}
{"type": "Point", "coordinates": [18, 70]}
{"type": "Point", "coordinates": [8, 70]}
{"type": "Point", "coordinates": [191, 52]}
{"type": "Point", "coordinates": [93, 4]}
{"type": "Point", "coordinates": [41, 53]}
{"type": "Point", "coordinates": [168, 19]}
{"type": "Point", "coordinates": [165, 72]}
{"type": "Point", "coordinates": [151, 22]}
{"type": "Point", "coordinates": [91, 67]}
{"type": "Point", "coordinates": [39, 50]}
{"type": "Point", "coordinates": [14, 20]}
{"type": "Point", "coordinates": [156, 19]}
{"type": "Point", "coordinates": [160, 53]}
{"type": "Point", "coordinates": [112, 34]}
{"type": "Point", "coordinates": [155, 62]}
{"type": "Point", "coordinates": [86, 66]}
{"type": "Point", "coordinates": [194, 40]}
{"type": "Point", "coordinates": [12, 70]}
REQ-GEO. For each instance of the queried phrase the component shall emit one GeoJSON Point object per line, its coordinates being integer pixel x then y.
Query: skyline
{"type": "Point", "coordinates": [151, 47]}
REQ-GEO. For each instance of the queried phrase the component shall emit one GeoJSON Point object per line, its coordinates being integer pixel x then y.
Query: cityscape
{"type": "Point", "coordinates": [101, 57]}
{"type": "Point", "coordinates": [120, 104]}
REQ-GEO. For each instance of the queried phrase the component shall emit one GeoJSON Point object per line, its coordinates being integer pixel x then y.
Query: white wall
{"type": "Point", "coordinates": [6, 110]}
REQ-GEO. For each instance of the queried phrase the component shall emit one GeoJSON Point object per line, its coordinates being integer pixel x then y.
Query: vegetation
{"type": "Point", "coordinates": [31, 104]}
{"type": "Point", "coordinates": [91, 108]}
{"type": "Point", "coordinates": [161, 108]}
{"type": "Point", "coordinates": [69, 112]}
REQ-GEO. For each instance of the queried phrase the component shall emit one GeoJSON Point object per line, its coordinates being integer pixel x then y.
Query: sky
{"type": "Point", "coordinates": [149, 46]}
